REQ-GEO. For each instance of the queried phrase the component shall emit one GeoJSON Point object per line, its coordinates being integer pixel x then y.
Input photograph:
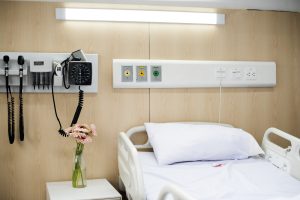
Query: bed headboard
{"type": "Point", "coordinates": [147, 145]}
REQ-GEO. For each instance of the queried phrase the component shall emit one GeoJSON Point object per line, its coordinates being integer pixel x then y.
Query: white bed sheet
{"type": "Point", "coordinates": [250, 179]}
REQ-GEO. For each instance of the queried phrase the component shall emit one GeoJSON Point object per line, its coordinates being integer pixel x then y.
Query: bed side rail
{"type": "Point", "coordinates": [135, 130]}
{"type": "Point", "coordinates": [130, 169]}
{"type": "Point", "coordinates": [175, 192]}
{"type": "Point", "coordinates": [287, 159]}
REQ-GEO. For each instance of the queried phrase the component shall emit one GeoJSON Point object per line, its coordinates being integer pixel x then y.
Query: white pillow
{"type": "Point", "coordinates": [178, 142]}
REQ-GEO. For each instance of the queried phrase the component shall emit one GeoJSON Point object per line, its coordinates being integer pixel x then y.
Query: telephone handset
{"type": "Point", "coordinates": [77, 71]}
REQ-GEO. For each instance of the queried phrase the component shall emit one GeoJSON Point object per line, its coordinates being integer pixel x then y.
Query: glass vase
{"type": "Point", "coordinates": [79, 168]}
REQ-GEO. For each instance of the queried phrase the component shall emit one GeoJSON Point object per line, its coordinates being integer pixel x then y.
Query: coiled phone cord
{"type": "Point", "coordinates": [11, 117]}
{"type": "Point", "coordinates": [10, 105]}
{"type": "Point", "coordinates": [78, 109]}
{"type": "Point", "coordinates": [12, 120]}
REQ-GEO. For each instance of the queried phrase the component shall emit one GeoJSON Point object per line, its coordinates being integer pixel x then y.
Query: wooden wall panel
{"type": "Point", "coordinates": [46, 156]}
{"type": "Point", "coordinates": [247, 35]}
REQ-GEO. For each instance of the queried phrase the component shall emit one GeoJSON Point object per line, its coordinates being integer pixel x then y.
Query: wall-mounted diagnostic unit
{"type": "Point", "coordinates": [39, 67]}
{"type": "Point", "coordinates": [45, 72]}
{"type": "Point", "coordinates": [133, 73]}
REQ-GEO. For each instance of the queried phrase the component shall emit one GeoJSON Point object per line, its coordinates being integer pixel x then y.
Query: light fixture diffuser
{"type": "Point", "coordinates": [112, 15]}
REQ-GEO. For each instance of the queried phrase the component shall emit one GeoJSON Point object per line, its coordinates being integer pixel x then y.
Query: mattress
{"type": "Point", "coordinates": [249, 179]}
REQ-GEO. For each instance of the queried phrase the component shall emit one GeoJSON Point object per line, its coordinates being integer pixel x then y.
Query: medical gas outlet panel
{"type": "Point", "coordinates": [133, 73]}
{"type": "Point", "coordinates": [38, 69]}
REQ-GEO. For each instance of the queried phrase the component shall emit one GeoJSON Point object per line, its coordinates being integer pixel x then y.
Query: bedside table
{"type": "Point", "coordinates": [96, 189]}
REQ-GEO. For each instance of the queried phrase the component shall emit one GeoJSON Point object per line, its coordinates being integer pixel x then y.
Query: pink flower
{"type": "Point", "coordinates": [82, 133]}
{"type": "Point", "coordinates": [68, 131]}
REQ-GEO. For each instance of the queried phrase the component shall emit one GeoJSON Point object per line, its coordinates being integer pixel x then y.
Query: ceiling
{"type": "Point", "coordinates": [278, 5]}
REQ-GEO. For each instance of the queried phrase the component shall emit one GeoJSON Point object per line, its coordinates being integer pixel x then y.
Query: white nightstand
{"type": "Point", "coordinates": [97, 189]}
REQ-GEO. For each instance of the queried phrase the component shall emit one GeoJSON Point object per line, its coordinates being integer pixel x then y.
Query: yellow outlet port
{"type": "Point", "coordinates": [127, 73]}
{"type": "Point", "coordinates": [142, 73]}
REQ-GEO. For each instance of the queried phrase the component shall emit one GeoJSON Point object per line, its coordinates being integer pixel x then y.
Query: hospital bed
{"type": "Point", "coordinates": [272, 177]}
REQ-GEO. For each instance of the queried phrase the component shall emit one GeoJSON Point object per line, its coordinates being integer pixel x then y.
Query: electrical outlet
{"type": "Point", "coordinates": [156, 73]}
{"type": "Point", "coordinates": [236, 73]}
{"type": "Point", "coordinates": [250, 73]}
{"type": "Point", "coordinates": [220, 72]}
{"type": "Point", "coordinates": [127, 73]}
{"type": "Point", "coordinates": [141, 73]}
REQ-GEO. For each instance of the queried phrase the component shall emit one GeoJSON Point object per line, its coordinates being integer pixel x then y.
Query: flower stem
{"type": "Point", "coordinates": [77, 173]}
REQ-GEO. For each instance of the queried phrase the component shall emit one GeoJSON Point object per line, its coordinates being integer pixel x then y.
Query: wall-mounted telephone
{"type": "Point", "coordinates": [75, 71]}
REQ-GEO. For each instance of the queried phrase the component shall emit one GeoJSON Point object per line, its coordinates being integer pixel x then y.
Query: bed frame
{"type": "Point", "coordinates": [131, 175]}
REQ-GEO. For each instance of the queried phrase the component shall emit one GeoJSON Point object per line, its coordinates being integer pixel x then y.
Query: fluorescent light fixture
{"type": "Point", "coordinates": [111, 15]}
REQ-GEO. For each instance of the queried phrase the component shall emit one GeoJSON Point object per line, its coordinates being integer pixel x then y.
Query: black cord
{"type": "Point", "coordinates": [21, 117]}
{"type": "Point", "coordinates": [79, 107]}
{"type": "Point", "coordinates": [61, 131]}
{"type": "Point", "coordinates": [21, 63]}
{"type": "Point", "coordinates": [11, 135]}
{"type": "Point", "coordinates": [80, 101]}
{"type": "Point", "coordinates": [10, 105]}
{"type": "Point", "coordinates": [64, 69]}
{"type": "Point", "coordinates": [11, 116]}
{"type": "Point", "coordinates": [12, 119]}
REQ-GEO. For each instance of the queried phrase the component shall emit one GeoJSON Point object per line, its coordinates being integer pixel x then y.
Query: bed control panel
{"type": "Point", "coordinates": [129, 73]}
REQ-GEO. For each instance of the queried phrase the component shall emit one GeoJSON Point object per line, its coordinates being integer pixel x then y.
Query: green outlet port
{"type": "Point", "coordinates": [156, 73]}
